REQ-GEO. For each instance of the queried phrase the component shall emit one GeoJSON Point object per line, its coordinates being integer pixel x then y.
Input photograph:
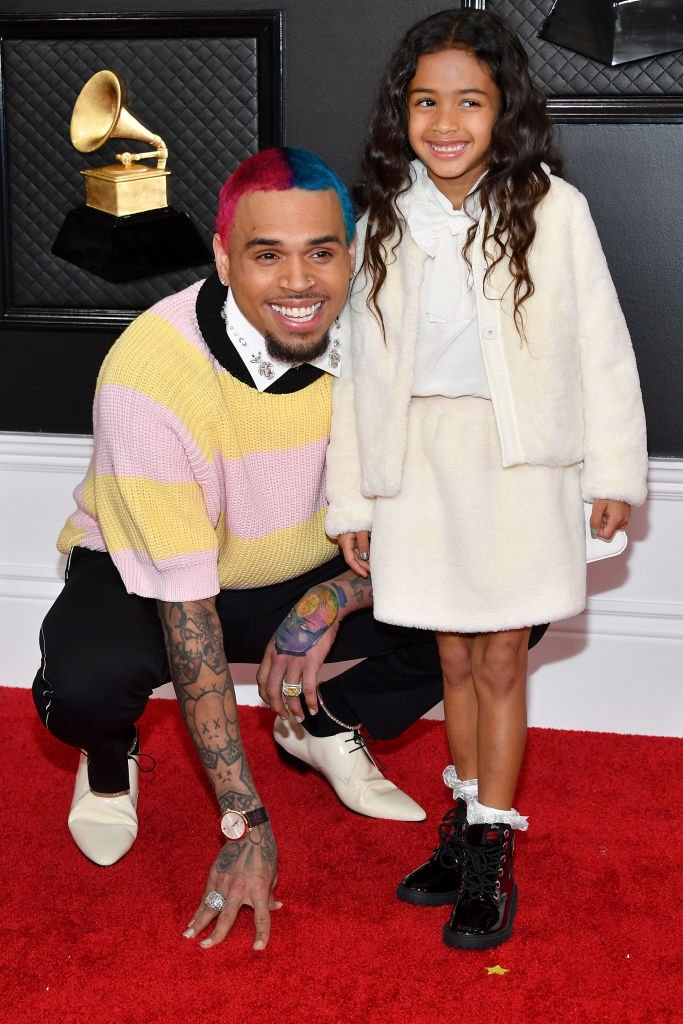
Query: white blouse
{"type": "Point", "coordinates": [448, 357]}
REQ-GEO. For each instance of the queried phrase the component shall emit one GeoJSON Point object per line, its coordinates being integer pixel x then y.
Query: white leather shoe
{"type": "Point", "coordinates": [345, 762]}
{"type": "Point", "coordinates": [103, 827]}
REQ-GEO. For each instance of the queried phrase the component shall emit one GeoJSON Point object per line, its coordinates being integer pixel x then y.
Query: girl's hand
{"type": "Point", "coordinates": [608, 516]}
{"type": "Point", "coordinates": [355, 547]}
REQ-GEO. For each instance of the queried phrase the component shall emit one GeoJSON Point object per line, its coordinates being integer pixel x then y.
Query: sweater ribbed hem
{"type": "Point", "coordinates": [193, 581]}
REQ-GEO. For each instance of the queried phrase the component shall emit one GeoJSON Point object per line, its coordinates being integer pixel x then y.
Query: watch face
{"type": "Point", "coordinates": [233, 825]}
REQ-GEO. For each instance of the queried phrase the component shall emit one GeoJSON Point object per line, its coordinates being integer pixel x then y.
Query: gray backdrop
{"type": "Point", "coordinates": [334, 51]}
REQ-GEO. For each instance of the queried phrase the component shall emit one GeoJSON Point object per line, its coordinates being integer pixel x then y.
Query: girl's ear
{"type": "Point", "coordinates": [222, 260]}
{"type": "Point", "coordinates": [352, 257]}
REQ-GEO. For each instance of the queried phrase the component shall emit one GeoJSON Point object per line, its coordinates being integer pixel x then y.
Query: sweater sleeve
{"type": "Point", "coordinates": [151, 477]}
{"type": "Point", "coordinates": [615, 450]}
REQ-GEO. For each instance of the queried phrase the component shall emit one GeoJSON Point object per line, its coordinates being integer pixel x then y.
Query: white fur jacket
{"type": "Point", "coordinates": [569, 394]}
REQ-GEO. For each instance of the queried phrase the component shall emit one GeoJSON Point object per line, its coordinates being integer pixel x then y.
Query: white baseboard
{"type": "Point", "coordinates": [614, 668]}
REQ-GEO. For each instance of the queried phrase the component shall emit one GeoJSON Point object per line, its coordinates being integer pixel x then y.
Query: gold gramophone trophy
{"type": "Point", "coordinates": [126, 230]}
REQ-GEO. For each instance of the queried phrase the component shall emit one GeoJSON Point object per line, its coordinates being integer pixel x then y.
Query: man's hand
{"type": "Point", "coordinates": [608, 516]}
{"type": "Point", "coordinates": [275, 667]}
{"type": "Point", "coordinates": [245, 874]}
{"type": "Point", "coordinates": [303, 640]}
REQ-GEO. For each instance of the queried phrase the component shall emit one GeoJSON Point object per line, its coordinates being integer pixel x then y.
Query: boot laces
{"type": "Point", "coordinates": [450, 842]}
{"type": "Point", "coordinates": [481, 871]}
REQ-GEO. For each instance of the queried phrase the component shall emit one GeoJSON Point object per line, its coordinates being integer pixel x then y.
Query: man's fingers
{"type": "Point", "coordinates": [201, 919]}
{"type": "Point", "coordinates": [262, 681]}
{"type": "Point", "coordinates": [293, 705]}
{"type": "Point", "coordinates": [263, 672]}
{"type": "Point", "coordinates": [226, 919]}
{"type": "Point", "coordinates": [275, 698]}
{"type": "Point", "coordinates": [261, 922]}
{"type": "Point", "coordinates": [309, 681]}
{"type": "Point", "coordinates": [192, 928]}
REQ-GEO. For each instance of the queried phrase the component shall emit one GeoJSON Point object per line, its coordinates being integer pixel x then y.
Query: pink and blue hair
{"type": "Point", "coordinates": [278, 170]}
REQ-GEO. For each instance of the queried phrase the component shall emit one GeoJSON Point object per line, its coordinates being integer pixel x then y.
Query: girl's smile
{"type": "Point", "coordinates": [453, 104]}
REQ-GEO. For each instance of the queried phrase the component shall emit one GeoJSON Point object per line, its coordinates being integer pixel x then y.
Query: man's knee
{"type": "Point", "coordinates": [82, 686]}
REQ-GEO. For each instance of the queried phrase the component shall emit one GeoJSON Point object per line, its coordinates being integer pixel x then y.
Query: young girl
{"type": "Point", "coordinates": [489, 389]}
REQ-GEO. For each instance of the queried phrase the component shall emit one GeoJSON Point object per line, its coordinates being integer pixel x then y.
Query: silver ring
{"type": "Point", "coordinates": [214, 900]}
{"type": "Point", "coordinates": [291, 689]}
{"type": "Point", "coordinates": [364, 555]}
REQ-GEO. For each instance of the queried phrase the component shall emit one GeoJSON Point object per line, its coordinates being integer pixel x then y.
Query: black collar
{"type": "Point", "coordinates": [210, 300]}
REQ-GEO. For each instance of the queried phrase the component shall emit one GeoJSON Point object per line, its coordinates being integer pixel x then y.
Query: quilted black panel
{"type": "Point", "coordinates": [200, 95]}
{"type": "Point", "coordinates": [561, 72]}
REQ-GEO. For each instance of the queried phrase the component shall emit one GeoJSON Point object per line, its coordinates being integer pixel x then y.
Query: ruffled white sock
{"type": "Point", "coordinates": [465, 788]}
{"type": "Point", "coordinates": [480, 814]}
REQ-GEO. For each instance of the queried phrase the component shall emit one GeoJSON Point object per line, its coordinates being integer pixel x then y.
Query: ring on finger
{"type": "Point", "coordinates": [291, 689]}
{"type": "Point", "coordinates": [214, 900]}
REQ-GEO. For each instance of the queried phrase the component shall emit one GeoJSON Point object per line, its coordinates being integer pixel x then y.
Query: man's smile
{"type": "Point", "coordinates": [299, 314]}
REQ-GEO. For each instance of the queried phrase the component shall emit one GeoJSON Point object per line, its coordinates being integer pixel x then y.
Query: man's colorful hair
{"type": "Point", "coordinates": [278, 170]}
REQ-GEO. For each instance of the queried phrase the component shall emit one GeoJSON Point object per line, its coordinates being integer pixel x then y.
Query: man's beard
{"type": "Point", "coordinates": [304, 353]}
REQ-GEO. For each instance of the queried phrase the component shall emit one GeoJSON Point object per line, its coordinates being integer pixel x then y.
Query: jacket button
{"type": "Point", "coordinates": [490, 332]}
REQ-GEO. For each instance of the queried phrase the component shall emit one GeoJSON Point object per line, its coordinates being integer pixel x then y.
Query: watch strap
{"type": "Point", "coordinates": [259, 816]}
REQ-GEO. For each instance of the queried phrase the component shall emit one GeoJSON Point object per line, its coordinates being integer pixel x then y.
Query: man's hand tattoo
{"type": "Point", "coordinates": [310, 618]}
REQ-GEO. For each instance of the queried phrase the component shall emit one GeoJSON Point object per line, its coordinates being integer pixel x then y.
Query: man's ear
{"type": "Point", "coordinates": [222, 260]}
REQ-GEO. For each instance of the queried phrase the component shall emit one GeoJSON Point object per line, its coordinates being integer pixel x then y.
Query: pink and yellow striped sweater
{"type": "Point", "coordinates": [198, 482]}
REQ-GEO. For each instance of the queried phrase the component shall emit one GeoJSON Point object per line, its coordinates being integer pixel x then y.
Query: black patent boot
{"type": "Point", "coordinates": [437, 882]}
{"type": "Point", "coordinates": [485, 906]}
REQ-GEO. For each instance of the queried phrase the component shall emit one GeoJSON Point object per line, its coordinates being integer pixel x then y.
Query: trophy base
{"type": "Point", "coordinates": [122, 249]}
{"type": "Point", "coordinates": [614, 33]}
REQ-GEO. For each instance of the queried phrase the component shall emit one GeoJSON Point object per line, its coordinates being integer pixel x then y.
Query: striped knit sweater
{"type": "Point", "coordinates": [198, 482]}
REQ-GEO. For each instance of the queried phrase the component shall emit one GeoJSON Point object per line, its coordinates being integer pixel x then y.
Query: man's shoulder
{"type": "Point", "coordinates": [164, 335]}
{"type": "Point", "coordinates": [178, 304]}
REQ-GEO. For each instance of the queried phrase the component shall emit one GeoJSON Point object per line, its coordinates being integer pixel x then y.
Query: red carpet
{"type": "Point", "coordinates": [597, 936]}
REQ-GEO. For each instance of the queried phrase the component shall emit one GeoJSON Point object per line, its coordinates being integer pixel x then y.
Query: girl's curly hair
{"type": "Point", "coordinates": [520, 142]}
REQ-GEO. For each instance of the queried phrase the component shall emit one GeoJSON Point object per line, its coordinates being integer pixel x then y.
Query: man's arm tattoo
{"type": "Point", "coordinates": [205, 691]}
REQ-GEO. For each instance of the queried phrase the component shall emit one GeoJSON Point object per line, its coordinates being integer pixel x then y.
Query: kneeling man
{"type": "Point", "coordinates": [198, 534]}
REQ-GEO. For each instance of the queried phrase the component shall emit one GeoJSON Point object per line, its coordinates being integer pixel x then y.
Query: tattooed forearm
{"type": "Point", "coordinates": [194, 639]}
{"type": "Point", "coordinates": [201, 677]}
{"type": "Point", "coordinates": [361, 590]}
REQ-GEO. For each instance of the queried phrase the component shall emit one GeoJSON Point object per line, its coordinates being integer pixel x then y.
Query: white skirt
{"type": "Point", "coordinates": [470, 547]}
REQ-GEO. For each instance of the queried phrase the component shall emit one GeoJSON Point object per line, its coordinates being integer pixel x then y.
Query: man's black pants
{"type": "Point", "coordinates": [103, 653]}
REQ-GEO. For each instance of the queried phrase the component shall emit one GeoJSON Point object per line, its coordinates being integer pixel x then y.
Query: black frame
{"type": "Point", "coordinates": [266, 27]}
{"type": "Point", "coordinates": [611, 109]}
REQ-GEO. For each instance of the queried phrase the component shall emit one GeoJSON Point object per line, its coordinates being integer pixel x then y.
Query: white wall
{"type": "Point", "coordinates": [615, 668]}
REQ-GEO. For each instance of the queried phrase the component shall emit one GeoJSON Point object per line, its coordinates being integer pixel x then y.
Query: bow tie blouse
{"type": "Point", "coordinates": [448, 357]}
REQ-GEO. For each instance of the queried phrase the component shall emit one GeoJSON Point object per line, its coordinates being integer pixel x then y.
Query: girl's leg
{"type": "Point", "coordinates": [437, 882]}
{"type": "Point", "coordinates": [485, 906]}
{"type": "Point", "coordinates": [460, 702]}
{"type": "Point", "coordinates": [499, 668]}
